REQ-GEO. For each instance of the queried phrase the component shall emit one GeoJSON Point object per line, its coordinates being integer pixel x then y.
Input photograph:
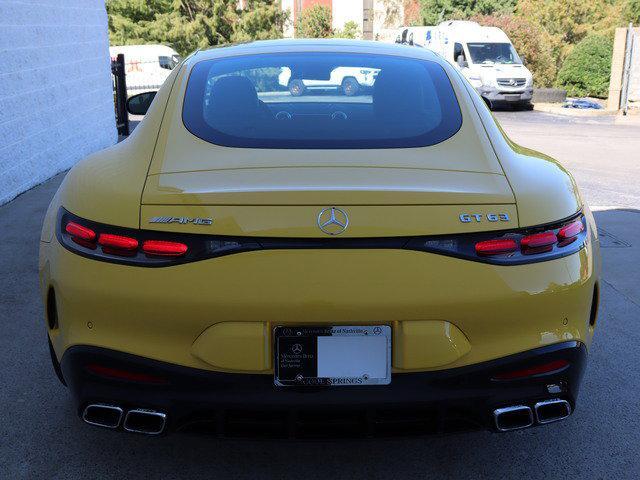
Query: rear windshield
{"type": "Point", "coordinates": [320, 100]}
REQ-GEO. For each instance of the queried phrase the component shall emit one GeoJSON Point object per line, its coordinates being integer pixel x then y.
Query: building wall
{"type": "Point", "coordinates": [56, 101]}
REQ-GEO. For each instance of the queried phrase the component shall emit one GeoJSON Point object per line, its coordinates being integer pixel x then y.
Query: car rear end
{"type": "Point", "coordinates": [312, 273]}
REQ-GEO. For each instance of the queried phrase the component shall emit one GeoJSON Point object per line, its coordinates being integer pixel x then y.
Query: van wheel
{"type": "Point", "coordinates": [350, 86]}
{"type": "Point", "coordinates": [296, 87]}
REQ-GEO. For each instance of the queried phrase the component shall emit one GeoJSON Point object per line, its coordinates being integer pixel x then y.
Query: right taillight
{"type": "Point", "coordinates": [514, 247]}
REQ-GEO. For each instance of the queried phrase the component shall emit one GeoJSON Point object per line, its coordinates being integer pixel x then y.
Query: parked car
{"type": "Point", "coordinates": [346, 80]}
{"type": "Point", "coordinates": [484, 55]}
{"type": "Point", "coordinates": [146, 66]}
{"type": "Point", "coordinates": [249, 264]}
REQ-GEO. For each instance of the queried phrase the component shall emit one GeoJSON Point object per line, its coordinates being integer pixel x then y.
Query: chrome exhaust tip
{"type": "Point", "coordinates": [102, 415]}
{"type": "Point", "coordinates": [145, 421]}
{"type": "Point", "coordinates": [552, 410]}
{"type": "Point", "coordinates": [513, 418]}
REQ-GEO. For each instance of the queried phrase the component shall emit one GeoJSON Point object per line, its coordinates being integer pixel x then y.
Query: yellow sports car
{"type": "Point", "coordinates": [384, 261]}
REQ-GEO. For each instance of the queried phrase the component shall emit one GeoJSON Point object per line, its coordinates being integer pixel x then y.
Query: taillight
{"type": "Point", "coordinates": [538, 243]}
{"type": "Point", "coordinates": [496, 247]}
{"type": "Point", "coordinates": [163, 248]}
{"type": "Point", "coordinates": [117, 242]}
{"type": "Point", "coordinates": [80, 232]}
{"type": "Point", "coordinates": [513, 247]}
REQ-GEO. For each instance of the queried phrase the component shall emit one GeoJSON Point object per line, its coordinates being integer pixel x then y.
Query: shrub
{"type": "Point", "coordinates": [530, 41]}
{"type": "Point", "coordinates": [586, 70]}
{"type": "Point", "coordinates": [314, 22]}
{"type": "Point", "coordinates": [350, 30]}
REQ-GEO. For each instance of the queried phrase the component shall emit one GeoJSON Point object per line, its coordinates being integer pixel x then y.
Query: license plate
{"type": "Point", "coordinates": [512, 98]}
{"type": "Point", "coordinates": [332, 356]}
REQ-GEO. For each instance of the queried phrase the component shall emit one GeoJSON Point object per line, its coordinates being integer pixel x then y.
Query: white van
{"type": "Point", "coordinates": [146, 66]}
{"type": "Point", "coordinates": [484, 55]}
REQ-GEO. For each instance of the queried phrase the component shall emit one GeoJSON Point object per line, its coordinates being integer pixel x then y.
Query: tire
{"type": "Point", "coordinates": [350, 86]}
{"type": "Point", "coordinates": [296, 88]}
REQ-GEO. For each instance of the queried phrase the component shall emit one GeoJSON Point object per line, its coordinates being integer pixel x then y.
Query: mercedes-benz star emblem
{"type": "Point", "coordinates": [512, 82]}
{"type": "Point", "coordinates": [296, 349]}
{"type": "Point", "coordinates": [333, 221]}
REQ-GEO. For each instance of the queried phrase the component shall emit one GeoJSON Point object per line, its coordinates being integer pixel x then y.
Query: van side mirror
{"type": "Point", "coordinates": [524, 59]}
{"type": "Point", "coordinates": [462, 63]}
{"type": "Point", "coordinates": [140, 103]}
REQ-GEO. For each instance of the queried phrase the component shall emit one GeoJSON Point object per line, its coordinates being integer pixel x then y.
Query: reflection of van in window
{"type": "Point", "coordinates": [484, 55]}
{"type": "Point", "coordinates": [146, 66]}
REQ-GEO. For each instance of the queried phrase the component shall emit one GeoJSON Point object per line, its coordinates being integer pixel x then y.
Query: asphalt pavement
{"type": "Point", "coordinates": [40, 436]}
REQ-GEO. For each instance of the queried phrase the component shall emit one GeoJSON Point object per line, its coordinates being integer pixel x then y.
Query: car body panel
{"type": "Point", "coordinates": [301, 221]}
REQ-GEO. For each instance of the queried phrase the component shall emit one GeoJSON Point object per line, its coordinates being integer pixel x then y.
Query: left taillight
{"type": "Point", "coordinates": [118, 244]}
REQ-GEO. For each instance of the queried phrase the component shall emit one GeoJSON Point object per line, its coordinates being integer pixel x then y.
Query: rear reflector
{"type": "Point", "coordinates": [117, 242]}
{"type": "Point", "coordinates": [496, 247]}
{"type": "Point", "coordinates": [78, 231]}
{"type": "Point", "coordinates": [124, 374]}
{"type": "Point", "coordinates": [530, 372]}
{"type": "Point", "coordinates": [163, 248]}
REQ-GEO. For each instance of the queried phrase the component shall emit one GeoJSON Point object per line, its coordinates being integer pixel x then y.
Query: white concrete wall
{"type": "Point", "coordinates": [56, 97]}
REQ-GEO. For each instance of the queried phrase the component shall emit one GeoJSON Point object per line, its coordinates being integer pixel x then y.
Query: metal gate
{"type": "Point", "coordinates": [119, 78]}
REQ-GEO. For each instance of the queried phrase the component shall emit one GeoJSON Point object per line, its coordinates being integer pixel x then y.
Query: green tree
{"type": "Point", "coordinates": [586, 70]}
{"type": "Point", "coordinates": [314, 22]}
{"type": "Point", "coordinates": [632, 11]}
{"type": "Point", "coordinates": [350, 30]}
{"type": "Point", "coordinates": [190, 24]}
{"type": "Point", "coordinates": [531, 41]}
{"type": "Point", "coordinates": [434, 11]}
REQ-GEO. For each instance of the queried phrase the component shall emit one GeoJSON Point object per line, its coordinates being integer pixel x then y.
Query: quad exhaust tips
{"type": "Point", "coordinates": [137, 420]}
{"type": "Point", "coordinates": [513, 418]}
{"type": "Point", "coordinates": [552, 410]}
{"type": "Point", "coordinates": [101, 415]}
{"type": "Point", "coordinates": [522, 416]}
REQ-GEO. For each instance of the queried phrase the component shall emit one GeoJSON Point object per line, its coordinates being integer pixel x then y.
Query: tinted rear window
{"type": "Point", "coordinates": [320, 100]}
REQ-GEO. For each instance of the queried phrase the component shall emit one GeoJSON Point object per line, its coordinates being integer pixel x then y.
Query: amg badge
{"type": "Point", "coordinates": [492, 217]}
{"type": "Point", "coordinates": [182, 220]}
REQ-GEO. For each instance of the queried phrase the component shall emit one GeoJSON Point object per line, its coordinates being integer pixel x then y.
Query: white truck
{"type": "Point", "coordinates": [484, 55]}
{"type": "Point", "coordinates": [146, 66]}
{"type": "Point", "coordinates": [347, 80]}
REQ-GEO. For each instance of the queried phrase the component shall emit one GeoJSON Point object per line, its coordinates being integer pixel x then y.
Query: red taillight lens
{"type": "Point", "coordinates": [117, 242]}
{"type": "Point", "coordinates": [78, 231]}
{"type": "Point", "coordinates": [496, 247]}
{"type": "Point", "coordinates": [571, 230]}
{"type": "Point", "coordinates": [538, 242]}
{"type": "Point", "coordinates": [163, 248]}
{"type": "Point", "coordinates": [530, 372]}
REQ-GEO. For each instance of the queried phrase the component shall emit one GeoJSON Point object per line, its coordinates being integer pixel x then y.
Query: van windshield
{"type": "Point", "coordinates": [320, 100]}
{"type": "Point", "coordinates": [493, 53]}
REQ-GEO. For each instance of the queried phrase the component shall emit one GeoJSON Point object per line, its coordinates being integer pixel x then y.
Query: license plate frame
{"type": "Point", "coordinates": [332, 356]}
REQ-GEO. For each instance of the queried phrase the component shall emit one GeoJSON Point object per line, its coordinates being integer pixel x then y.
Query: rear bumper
{"type": "Point", "coordinates": [250, 405]}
